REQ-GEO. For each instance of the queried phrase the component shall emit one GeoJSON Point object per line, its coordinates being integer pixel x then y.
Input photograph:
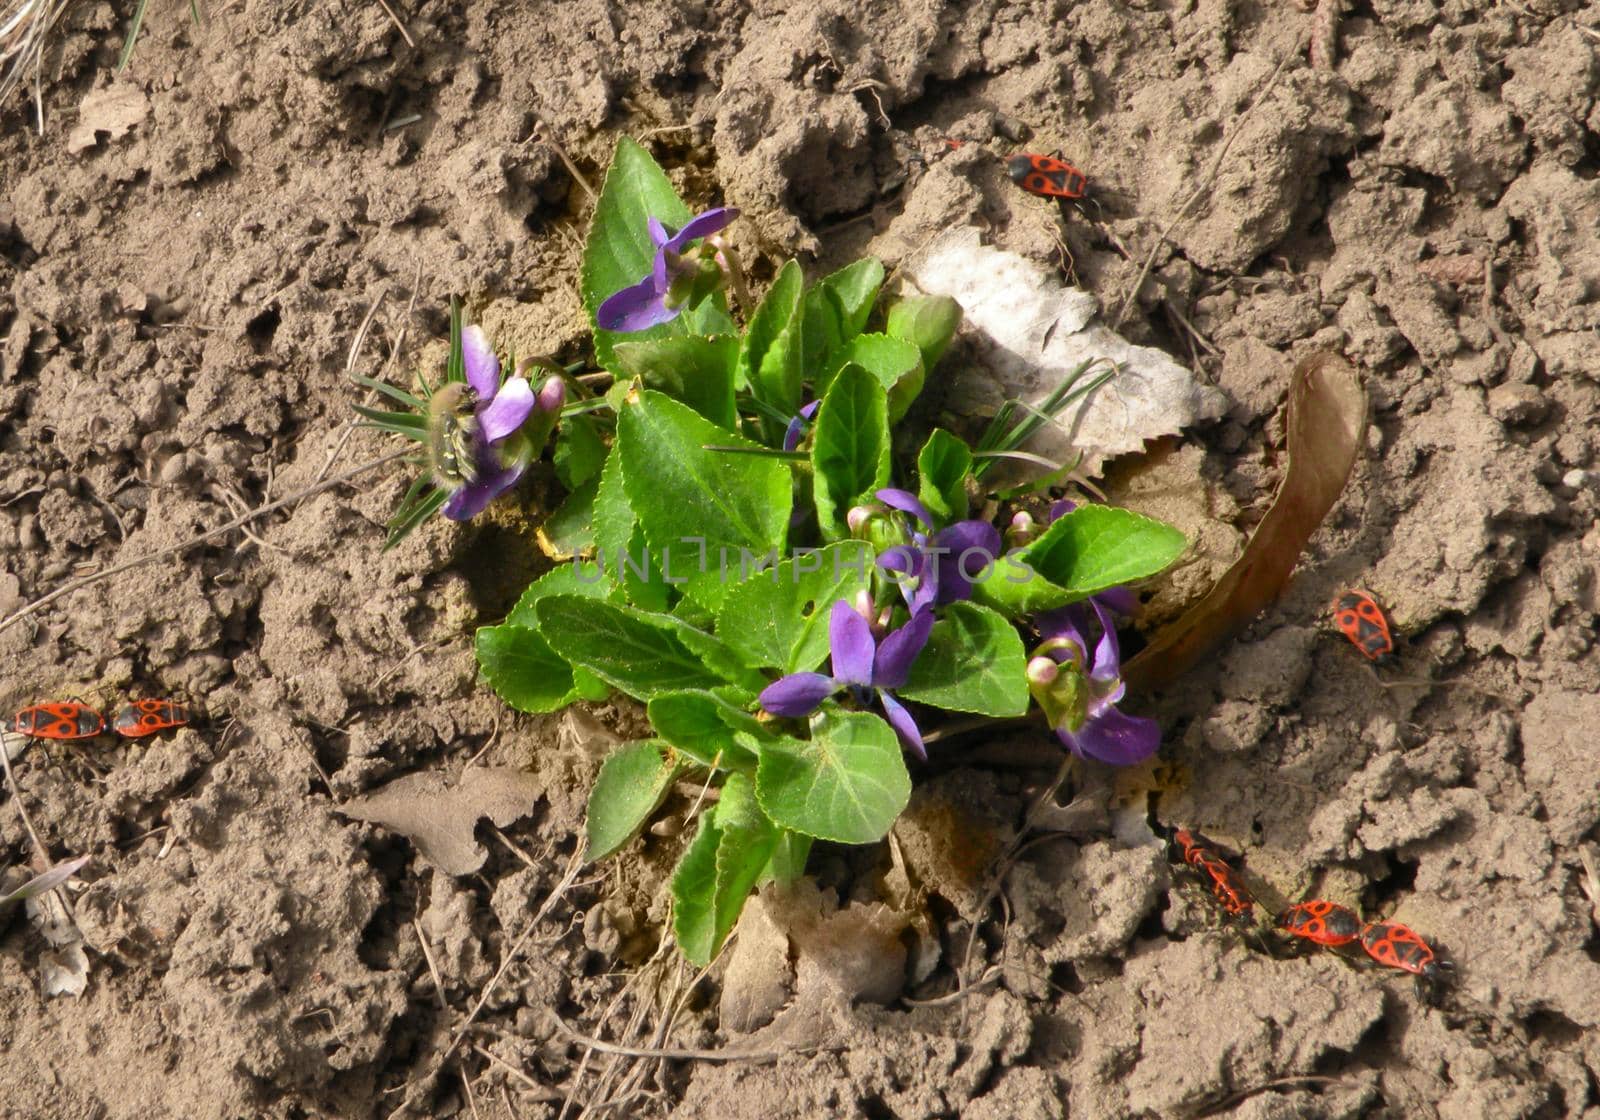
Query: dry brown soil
{"type": "Point", "coordinates": [178, 293]}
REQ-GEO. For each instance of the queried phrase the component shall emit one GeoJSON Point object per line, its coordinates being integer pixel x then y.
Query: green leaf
{"type": "Point", "coordinates": [569, 530]}
{"type": "Point", "coordinates": [849, 447]}
{"type": "Point", "coordinates": [523, 670]}
{"type": "Point", "coordinates": [701, 510]}
{"type": "Point", "coordinates": [579, 453]}
{"type": "Point", "coordinates": [696, 370]}
{"type": "Point", "coordinates": [778, 618]}
{"type": "Point", "coordinates": [632, 784]}
{"type": "Point", "coordinates": [1013, 588]}
{"type": "Point", "coordinates": [973, 662]}
{"type": "Point", "coordinates": [620, 545]}
{"type": "Point", "coordinates": [1096, 547]}
{"type": "Point", "coordinates": [520, 665]}
{"type": "Point", "coordinates": [847, 783]}
{"type": "Point", "coordinates": [701, 724]}
{"type": "Point", "coordinates": [943, 465]}
{"type": "Point", "coordinates": [892, 361]}
{"type": "Point", "coordinates": [769, 361]}
{"type": "Point", "coordinates": [929, 322]}
{"type": "Point", "coordinates": [621, 646]}
{"type": "Point", "coordinates": [713, 880]}
{"type": "Point", "coordinates": [788, 860]}
{"type": "Point", "coordinates": [835, 311]}
{"type": "Point", "coordinates": [619, 252]}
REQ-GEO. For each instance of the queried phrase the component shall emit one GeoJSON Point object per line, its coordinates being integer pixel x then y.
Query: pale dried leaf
{"type": "Point", "coordinates": [112, 111]}
{"type": "Point", "coordinates": [64, 971]}
{"type": "Point", "coordinates": [50, 916]}
{"type": "Point", "coordinates": [1032, 331]}
{"type": "Point", "coordinates": [439, 818]}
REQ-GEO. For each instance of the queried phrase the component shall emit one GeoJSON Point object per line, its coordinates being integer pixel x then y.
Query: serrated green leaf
{"type": "Point", "coordinates": [520, 665]}
{"type": "Point", "coordinates": [1096, 547]}
{"type": "Point", "coordinates": [891, 361]}
{"type": "Point", "coordinates": [703, 726]}
{"type": "Point", "coordinates": [579, 453]}
{"type": "Point", "coordinates": [569, 530]}
{"type": "Point", "coordinates": [847, 783]}
{"type": "Point", "coordinates": [522, 669]}
{"type": "Point", "coordinates": [943, 465]}
{"type": "Point", "coordinates": [1014, 589]}
{"type": "Point", "coordinates": [778, 618]}
{"type": "Point", "coordinates": [701, 510]}
{"type": "Point", "coordinates": [929, 322]}
{"type": "Point", "coordinates": [713, 880]}
{"type": "Point", "coordinates": [973, 662]}
{"type": "Point", "coordinates": [696, 370]}
{"type": "Point", "coordinates": [631, 785]}
{"type": "Point", "coordinates": [788, 860]}
{"type": "Point", "coordinates": [769, 359]}
{"type": "Point", "coordinates": [835, 311]}
{"type": "Point", "coordinates": [849, 448]}
{"type": "Point", "coordinates": [632, 654]}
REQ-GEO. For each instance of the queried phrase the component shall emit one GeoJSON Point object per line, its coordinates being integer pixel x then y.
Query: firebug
{"type": "Point", "coordinates": [1321, 922]}
{"type": "Point", "coordinates": [62, 719]}
{"type": "Point", "coordinates": [1047, 176]}
{"type": "Point", "coordinates": [1359, 617]}
{"type": "Point", "coordinates": [1398, 946]}
{"type": "Point", "coordinates": [1231, 894]}
{"type": "Point", "coordinates": [147, 717]}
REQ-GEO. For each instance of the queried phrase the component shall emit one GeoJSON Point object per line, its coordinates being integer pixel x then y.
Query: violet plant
{"type": "Point", "coordinates": [793, 598]}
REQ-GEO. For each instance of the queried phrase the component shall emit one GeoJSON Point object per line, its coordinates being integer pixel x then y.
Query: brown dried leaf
{"type": "Point", "coordinates": [1326, 427]}
{"type": "Point", "coordinates": [440, 819]}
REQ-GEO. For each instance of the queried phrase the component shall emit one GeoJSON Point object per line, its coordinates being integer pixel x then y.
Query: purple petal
{"type": "Point", "coordinates": [798, 694]}
{"type": "Point", "coordinates": [971, 548]}
{"type": "Point", "coordinates": [701, 225]}
{"type": "Point", "coordinates": [471, 500]}
{"type": "Point", "coordinates": [902, 558]}
{"type": "Point", "coordinates": [658, 232]}
{"type": "Point", "coordinates": [1064, 506]}
{"type": "Point", "coordinates": [1107, 656]}
{"type": "Point", "coordinates": [810, 411]}
{"type": "Point", "coordinates": [898, 651]}
{"type": "Point", "coordinates": [1063, 623]}
{"type": "Point", "coordinates": [791, 434]}
{"type": "Point", "coordinates": [506, 413]}
{"type": "Point", "coordinates": [850, 639]}
{"type": "Point", "coordinates": [635, 309]}
{"type": "Point", "coordinates": [1119, 600]}
{"type": "Point", "coordinates": [906, 502]}
{"type": "Point", "coordinates": [483, 368]}
{"type": "Point", "coordinates": [1118, 739]}
{"type": "Point", "coordinates": [904, 726]}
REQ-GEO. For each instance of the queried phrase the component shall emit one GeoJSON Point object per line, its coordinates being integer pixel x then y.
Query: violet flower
{"type": "Point", "coordinates": [488, 446]}
{"type": "Point", "coordinates": [663, 294]}
{"type": "Point", "coordinates": [863, 665]}
{"type": "Point", "coordinates": [959, 552]}
{"type": "Point", "coordinates": [798, 424]}
{"type": "Point", "coordinates": [1079, 696]}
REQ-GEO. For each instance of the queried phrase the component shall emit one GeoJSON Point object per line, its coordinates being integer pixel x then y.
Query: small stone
{"type": "Point", "coordinates": [1011, 128]}
{"type": "Point", "coordinates": [1514, 404]}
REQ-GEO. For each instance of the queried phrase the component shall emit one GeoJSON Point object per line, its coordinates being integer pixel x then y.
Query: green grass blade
{"type": "Point", "coordinates": [133, 35]}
